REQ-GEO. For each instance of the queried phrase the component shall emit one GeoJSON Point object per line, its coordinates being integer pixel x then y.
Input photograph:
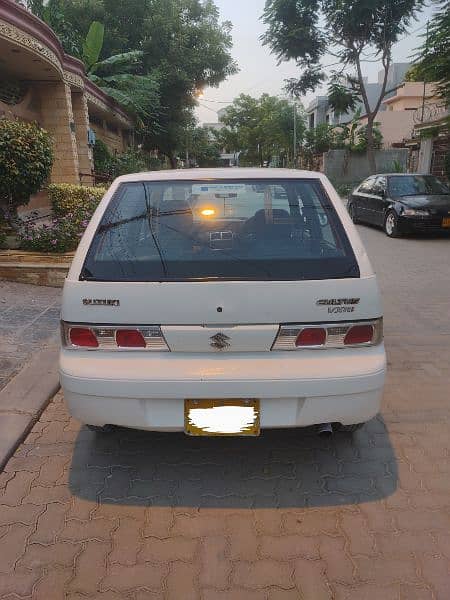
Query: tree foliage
{"type": "Point", "coordinates": [182, 47]}
{"type": "Point", "coordinates": [433, 61]}
{"type": "Point", "coordinates": [26, 158]}
{"type": "Point", "coordinates": [201, 146]}
{"type": "Point", "coordinates": [306, 30]}
{"type": "Point", "coordinates": [261, 128]}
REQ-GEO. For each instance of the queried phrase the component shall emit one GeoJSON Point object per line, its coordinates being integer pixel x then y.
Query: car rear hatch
{"type": "Point", "coordinates": [219, 266]}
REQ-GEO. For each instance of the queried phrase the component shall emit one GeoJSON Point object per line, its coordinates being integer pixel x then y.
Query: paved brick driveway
{"type": "Point", "coordinates": [285, 517]}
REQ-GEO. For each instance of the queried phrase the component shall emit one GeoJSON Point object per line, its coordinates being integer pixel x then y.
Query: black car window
{"type": "Point", "coordinates": [416, 185]}
{"type": "Point", "coordinates": [220, 229]}
{"type": "Point", "coordinates": [366, 186]}
{"type": "Point", "coordinates": [379, 186]}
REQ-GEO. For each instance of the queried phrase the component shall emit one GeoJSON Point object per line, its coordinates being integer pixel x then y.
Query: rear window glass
{"type": "Point", "coordinates": [222, 229]}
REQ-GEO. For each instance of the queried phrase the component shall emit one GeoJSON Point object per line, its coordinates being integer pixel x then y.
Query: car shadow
{"type": "Point", "coordinates": [279, 469]}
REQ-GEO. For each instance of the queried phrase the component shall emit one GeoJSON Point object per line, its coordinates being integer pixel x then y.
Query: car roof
{"type": "Point", "coordinates": [224, 173]}
{"type": "Point", "coordinates": [399, 175]}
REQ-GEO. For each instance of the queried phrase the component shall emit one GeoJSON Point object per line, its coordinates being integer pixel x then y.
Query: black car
{"type": "Point", "coordinates": [402, 203]}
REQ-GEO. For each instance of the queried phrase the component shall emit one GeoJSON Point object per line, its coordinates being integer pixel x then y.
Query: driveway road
{"type": "Point", "coordinates": [286, 516]}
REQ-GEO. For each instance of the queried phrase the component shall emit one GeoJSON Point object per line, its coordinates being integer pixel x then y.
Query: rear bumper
{"type": "Point", "coordinates": [295, 388]}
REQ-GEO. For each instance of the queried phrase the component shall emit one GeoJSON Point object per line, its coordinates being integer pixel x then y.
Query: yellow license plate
{"type": "Point", "coordinates": [446, 222]}
{"type": "Point", "coordinates": [222, 417]}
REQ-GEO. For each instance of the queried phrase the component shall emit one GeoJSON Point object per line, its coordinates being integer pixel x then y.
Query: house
{"type": "Point", "coordinates": [40, 83]}
{"type": "Point", "coordinates": [429, 142]}
{"type": "Point", "coordinates": [319, 111]}
{"type": "Point", "coordinates": [398, 112]}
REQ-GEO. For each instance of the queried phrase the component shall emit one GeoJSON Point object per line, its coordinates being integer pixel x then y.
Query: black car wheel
{"type": "Point", "coordinates": [391, 224]}
{"type": "Point", "coordinates": [352, 213]}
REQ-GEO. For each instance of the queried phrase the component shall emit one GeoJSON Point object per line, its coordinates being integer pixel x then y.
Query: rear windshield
{"type": "Point", "coordinates": [220, 229]}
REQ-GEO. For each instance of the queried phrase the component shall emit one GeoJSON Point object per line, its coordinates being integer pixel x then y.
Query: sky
{"type": "Point", "coordinates": [259, 72]}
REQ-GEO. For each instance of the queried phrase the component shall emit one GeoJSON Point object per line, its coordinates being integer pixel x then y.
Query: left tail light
{"type": "Point", "coordinates": [329, 335]}
{"type": "Point", "coordinates": [121, 338]}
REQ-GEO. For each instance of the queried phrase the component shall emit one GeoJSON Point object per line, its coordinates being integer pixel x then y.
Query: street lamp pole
{"type": "Point", "coordinates": [295, 134]}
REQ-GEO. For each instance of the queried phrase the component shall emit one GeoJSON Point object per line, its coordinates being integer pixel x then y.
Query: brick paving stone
{"type": "Point", "coordinates": [125, 578]}
{"type": "Point", "coordinates": [58, 554]}
{"type": "Point", "coordinates": [155, 550]}
{"type": "Point", "coordinates": [215, 566]}
{"type": "Point", "coordinates": [311, 580]}
{"type": "Point", "coordinates": [356, 530]}
{"type": "Point", "coordinates": [20, 582]}
{"type": "Point", "coordinates": [262, 574]}
{"type": "Point", "coordinates": [14, 543]}
{"type": "Point", "coordinates": [436, 573]}
{"type": "Point", "coordinates": [340, 567]}
{"type": "Point", "coordinates": [53, 584]}
{"type": "Point", "coordinates": [90, 567]}
{"type": "Point", "coordinates": [126, 542]}
{"type": "Point", "coordinates": [242, 537]}
{"type": "Point", "coordinates": [50, 523]}
{"type": "Point", "coordinates": [286, 547]}
{"type": "Point", "coordinates": [17, 488]}
{"type": "Point", "coordinates": [278, 594]}
{"type": "Point", "coordinates": [82, 531]}
{"type": "Point", "coordinates": [368, 592]}
{"type": "Point", "coordinates": [387, 569]}
{"type": "Point", "coordinates": [411, 592]}
{"type": "Point", "coordinates": [26, 514]}
{"type": "Point", "coordinates": [182, 581]}
{"type": "Point", "coordinates": [233, 594]}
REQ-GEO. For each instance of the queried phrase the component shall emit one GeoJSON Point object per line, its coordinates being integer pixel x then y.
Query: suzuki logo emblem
{"type": "Point", "coordinates": [220, 341]}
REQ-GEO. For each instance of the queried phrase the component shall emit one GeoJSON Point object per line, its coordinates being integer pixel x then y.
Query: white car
{"type": "Point", "coordinates": [220, 302]}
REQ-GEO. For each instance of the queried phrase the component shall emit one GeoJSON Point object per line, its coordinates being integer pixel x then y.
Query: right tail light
{"type": "Point", "coordinates": [329, 335]}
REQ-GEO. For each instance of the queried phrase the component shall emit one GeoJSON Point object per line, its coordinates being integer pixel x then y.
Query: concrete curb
{"type": "Point", "coordinates": [24, 399]}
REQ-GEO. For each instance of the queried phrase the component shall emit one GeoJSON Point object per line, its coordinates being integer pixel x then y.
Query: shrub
{"type": "Point", "coordinates": [102, 157]}
{"type": "Point", "coordinates": [132, 161]}
{"type": "Point", "coordinates": [73, 207]}
{"type": "Point", "coordinates": [26, 158]}
{"type": "Point", "coordinates": [75, 200]}
{"type": "Point", "coordinates": [61, 235]}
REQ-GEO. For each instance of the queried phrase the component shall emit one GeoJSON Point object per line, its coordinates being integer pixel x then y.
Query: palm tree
{"type": "Point", "coordinates": [119, 77]}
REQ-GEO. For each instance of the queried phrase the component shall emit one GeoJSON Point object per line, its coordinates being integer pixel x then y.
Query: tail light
{"type": "Point", "coordinates": [311, 336]}
{"type": "Point", "coordinates": [330, 335]}
{"type": "Point", "coordinates": [122, 338]}
{"type": "Point", "coordinates": [83, 337]}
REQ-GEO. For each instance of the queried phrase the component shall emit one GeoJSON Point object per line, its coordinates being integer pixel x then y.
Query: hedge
{"type": "Point", "coordinates": [73, 207]}
{"type": "Point", "coordinates": [67, 199]}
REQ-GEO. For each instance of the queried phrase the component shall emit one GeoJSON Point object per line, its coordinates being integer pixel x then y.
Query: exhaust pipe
{"type": "Point", "coordinates": [325, 430]}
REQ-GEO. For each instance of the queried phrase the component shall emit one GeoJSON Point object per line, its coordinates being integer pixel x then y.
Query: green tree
{"type": "Point", "coordinates": [201, 146]}
{"type": "Point", "coordinates": [184, 48]}
{"type": "Point", "coordinates": [189, 48]}
{"type": "Point", "coordinates": [306, 30]}
{"type": "Point", "coordinates": [119, 77]}
{"type": "Point", "coordinates": [54, 14]}
{"type": "Point", "coordinates": [433, 61]}
{"type": "Point", "coordinates": [261, 128]}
